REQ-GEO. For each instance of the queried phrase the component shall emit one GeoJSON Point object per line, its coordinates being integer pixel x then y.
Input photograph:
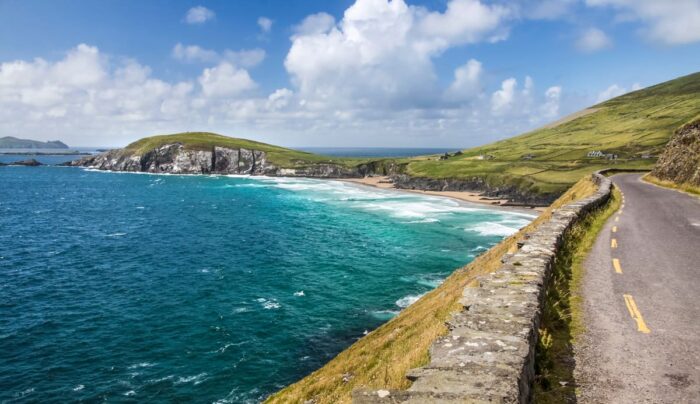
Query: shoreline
{"type": "Point", "coordinates": [374, 182]}
{"type": "Point", "coordinates": [462, 196]}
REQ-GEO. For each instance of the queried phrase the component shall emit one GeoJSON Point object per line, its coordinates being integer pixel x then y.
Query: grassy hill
{"type": "Point", "coordinates": [280, 156]}
{"type": "Point", "coordinates": [632, 125]}
{"type": "Point", "coordinates": [10, 142]}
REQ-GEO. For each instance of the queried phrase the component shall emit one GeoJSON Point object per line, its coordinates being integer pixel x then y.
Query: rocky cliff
{"type": "Point", "coordinates": [177, 158]}
{"type": "Point", "coordinates": [475, 184]}
{"type": "Point", "coordinates": [680, 161]}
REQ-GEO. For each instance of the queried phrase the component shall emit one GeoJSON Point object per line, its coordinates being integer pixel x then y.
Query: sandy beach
{"type": "Point", "coordinates": [473, 197]}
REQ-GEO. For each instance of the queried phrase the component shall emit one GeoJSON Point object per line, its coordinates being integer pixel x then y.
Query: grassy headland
{"type": "Point", "coordinates": [382, 358]}
{"type": "Point", "coordinates": [280, 156]}
{"type": "Point", "coordinates": [552, 158]}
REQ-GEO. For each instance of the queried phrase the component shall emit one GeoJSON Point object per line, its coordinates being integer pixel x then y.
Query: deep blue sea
{"type": "Point", "coordinates": [159, 288]}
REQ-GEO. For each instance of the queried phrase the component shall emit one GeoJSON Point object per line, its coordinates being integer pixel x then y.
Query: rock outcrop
{"type": "Point", "coordinates": [175, 158]}
{"type": "Point", "coordinates": [680, 161]}
{"type": "Point", "coordinates": [475, 184]}
{"type": "Point", "coordinates": [28, 163]}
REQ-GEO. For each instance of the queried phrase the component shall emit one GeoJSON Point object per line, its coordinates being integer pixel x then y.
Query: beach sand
{"type": "Point", "coordinates": [473, 197]}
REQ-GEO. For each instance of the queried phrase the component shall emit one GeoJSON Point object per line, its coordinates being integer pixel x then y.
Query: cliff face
{"type": "Point", "coordinates": [680, 161]}
{"type": "Point", "coordinates": [475, 184]}
{"type": "Point", "coordinates": [176, 159]}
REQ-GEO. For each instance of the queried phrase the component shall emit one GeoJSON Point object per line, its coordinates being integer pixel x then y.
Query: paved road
{"type": "Point", "coordinates": [642, 312]}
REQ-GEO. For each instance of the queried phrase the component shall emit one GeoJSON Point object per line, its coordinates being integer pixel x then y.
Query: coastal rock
{"type": "Point", "coordinates": [28, 163]}
{"type": "Point", "coordinates": [474, 184]}
{"type": "Point", "coordinates": [680, 161]}
{"type": "Point", "coordinates": [176, 158]}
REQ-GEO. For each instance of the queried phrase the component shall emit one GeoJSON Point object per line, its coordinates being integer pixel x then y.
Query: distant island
{"type": "Point", "coordinates": [10, 142]}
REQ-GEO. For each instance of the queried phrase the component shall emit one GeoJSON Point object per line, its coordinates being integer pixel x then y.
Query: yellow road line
{"type": "Point", "coordinates": [613, 243]}
{"type": "Point", "coordinates": [614, 229]}
{"type": "Point", "coordinates": [636, 315]}
{"type": "Point", "coordinates": [617, 219]}
{"type": "Point", "coordinates": [616, 265]}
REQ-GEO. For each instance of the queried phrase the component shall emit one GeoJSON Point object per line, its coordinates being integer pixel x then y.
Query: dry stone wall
{"type": "Point", "coordinates": [488, 356]}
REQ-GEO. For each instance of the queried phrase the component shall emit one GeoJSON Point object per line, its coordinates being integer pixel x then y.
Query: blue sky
{"type": "Point", "coordinates": [321, 73]}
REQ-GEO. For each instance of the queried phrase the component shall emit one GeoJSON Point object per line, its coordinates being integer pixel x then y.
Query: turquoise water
{"type": "Point", "coordinates": [207, 289]}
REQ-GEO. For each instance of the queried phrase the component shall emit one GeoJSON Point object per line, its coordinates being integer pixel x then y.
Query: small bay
{"type": "Point", "coordinates": [164, 288]}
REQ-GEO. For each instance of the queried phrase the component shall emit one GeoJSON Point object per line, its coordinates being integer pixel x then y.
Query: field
{"type": "Point", "coordinates": [631, 126]}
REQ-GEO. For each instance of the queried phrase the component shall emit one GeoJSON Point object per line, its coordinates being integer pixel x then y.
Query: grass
{"type": "Point", "coordinates": [562, 320]}
{"type": "Point", "coordinates": [632, 125]}
{"type": "Point", "coordinates": [688, 188]}
{"type": "Point", "coordinates": [382, 358]}
{"type": "Point", "coordinates": [280, 156]}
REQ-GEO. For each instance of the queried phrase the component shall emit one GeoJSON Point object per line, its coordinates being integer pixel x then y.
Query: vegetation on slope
{"type": "Point", "coordinates": [280, 156]}
{"type": "Point", "coordinates": [562, 318]}
{"type": "Point", "coordinates": [550, 159]}
{"type": "Point", "coordinates": [382, 358]}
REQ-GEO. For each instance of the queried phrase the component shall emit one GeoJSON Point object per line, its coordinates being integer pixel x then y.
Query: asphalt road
{"type": "Point", "coordinates": [642, 312]}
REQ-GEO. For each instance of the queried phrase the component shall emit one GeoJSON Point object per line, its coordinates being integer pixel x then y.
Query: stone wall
{"type": "Point", "coordinates": [488, 355]}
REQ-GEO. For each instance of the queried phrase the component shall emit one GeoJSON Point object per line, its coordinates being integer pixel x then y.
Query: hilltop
{"type": "Point", "coordinates": [635, 127]}
{"type": "Point", "coordinates": [10, 142]}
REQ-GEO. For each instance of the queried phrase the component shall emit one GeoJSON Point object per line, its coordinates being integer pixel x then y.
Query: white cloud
{"type": "Point", "coordinates": [592, 40]}
{"type": "Point", "coordinates": [381, 52]}
{"type": "Point", "coordinates": [199, 15]}
{"type": "Point", "coordinates": [368, 78]}
{"type": "Point", "coordinates": [616, 90]}
{"type": "Point", "coordinates": [670, 22]}
{"type": "Point", "coordinates": [467, 81]}
{"type": "Point", "coordinates": [225, 80]}
{"type": "Point", "coordinates": [192, 53]}
{"type": "Point", "coordinates": [502, 100]}
{"type": "Point", "coordinates": [550, 109]}
{"type": "Point", "coordinates": [265, 24]}
{"type": "Point", "coordinates": [315, 24]}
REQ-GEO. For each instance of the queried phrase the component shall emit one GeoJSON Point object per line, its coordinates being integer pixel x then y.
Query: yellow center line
{"type": "Point", "coordinates": [614, 229]}
{"type": "Point", "coordinates": [617, 219]}
{"type": "Point", "coordinates": [613, 243]}
{"type": "Point", "coordinates": [636, 315]}
{"type": "Point", "coordinates": [616, 265]}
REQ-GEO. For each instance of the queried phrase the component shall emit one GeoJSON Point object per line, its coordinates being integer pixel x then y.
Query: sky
{"type": "Point", "coordinates": [348, 73]}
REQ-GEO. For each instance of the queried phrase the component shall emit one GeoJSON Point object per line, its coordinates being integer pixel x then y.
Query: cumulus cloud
{"type": "Point", "coordinates": [669, 22]}
{"type": "Point", "coordinates": [467, 81]}
{"type": "Point", "coordinates": [381, 52]}
{"type": "Point", "coordinates": [315, 24]}
{"type": "Point", "coordinates": [196, 54]}
{"type": "Point", "coordinates": [225, 80]}
{"type": "Point", "coordinates": [616, 90]}
{"type": "Point", "coordinates": [265, 24]}
{"type": "Point", "coordinates": [199, 15]}
{"type": "Point", "coordinates": [550, 108]}
{"type": "Point", "coordinates": [592, 40]}
{"type": "Point", "coordinates": [368, 78]}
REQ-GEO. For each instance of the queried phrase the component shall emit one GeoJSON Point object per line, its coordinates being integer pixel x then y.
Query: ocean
{"type": "Point", "coordinates": [162, 288]}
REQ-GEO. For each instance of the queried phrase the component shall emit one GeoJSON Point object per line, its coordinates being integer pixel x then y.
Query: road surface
{"type": "Point", "coordinates": [641, 294]}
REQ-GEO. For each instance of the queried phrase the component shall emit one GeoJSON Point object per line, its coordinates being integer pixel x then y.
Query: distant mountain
{"type": "Point", "coordinates": [9, 142]}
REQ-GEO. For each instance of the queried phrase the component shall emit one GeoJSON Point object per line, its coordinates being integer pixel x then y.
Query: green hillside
{"type": "Point", "coordinates": [631, 126]}
{"type": "Point", "coordinates": [277, 155]}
